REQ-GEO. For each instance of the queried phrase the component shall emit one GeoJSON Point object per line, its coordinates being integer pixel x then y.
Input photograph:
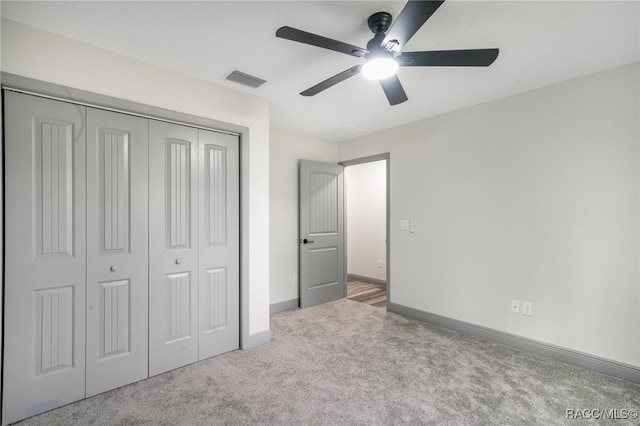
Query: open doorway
{"type": "Point", "coordinates": [366, 214]}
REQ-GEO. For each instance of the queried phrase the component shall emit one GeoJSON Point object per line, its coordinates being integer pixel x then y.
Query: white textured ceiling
{"type": "Point", "coordinates": [540, 42]}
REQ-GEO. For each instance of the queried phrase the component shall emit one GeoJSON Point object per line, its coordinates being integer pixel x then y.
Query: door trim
{"type": "Point", "coordinates": [1, 249]}
{"type": "Point", "coordinates": [17, 83]}
{"type": "Point", "coordinates": [369, 159]}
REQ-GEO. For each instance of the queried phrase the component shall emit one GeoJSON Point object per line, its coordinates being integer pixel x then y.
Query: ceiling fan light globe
{"type": "Point", "coordinates": [379, 68]}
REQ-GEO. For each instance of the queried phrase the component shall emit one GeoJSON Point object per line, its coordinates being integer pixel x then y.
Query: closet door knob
{"type": "Point", "coordinates": [178, 261]}
{"type": "Point", "coordinates": [113, 268]}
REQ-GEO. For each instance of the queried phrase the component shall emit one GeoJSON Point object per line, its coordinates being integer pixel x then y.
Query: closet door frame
{"type": "Point", "coordinates": [13, 82]}
{"type": "Point", "coordinates": [1, 243]}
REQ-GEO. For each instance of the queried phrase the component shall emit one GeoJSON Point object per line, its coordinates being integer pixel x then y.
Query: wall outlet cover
{"type": "Point", "coordinates": [515, 306]}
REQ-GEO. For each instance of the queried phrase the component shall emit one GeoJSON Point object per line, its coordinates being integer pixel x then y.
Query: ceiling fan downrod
{"type": "Point", "coordinates": [379, 23]}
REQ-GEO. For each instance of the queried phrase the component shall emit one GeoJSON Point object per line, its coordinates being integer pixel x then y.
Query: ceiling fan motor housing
{"type": "Point", "coordinates": [375, 47]}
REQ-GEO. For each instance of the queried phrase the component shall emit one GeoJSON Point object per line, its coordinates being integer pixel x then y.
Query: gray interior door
{"type": "Point", "coordinates": [322, 267]}
{"type": "Point", "coordinates": [219, 243]}
{"type": "Point", "coordinates": [194, 245]}
{"type": "Point", "coordinates": [44, 357]}
{"type": "Point", "coordinates": [173, 246]}
{"type": "Point", "coordinates": [117, 250]}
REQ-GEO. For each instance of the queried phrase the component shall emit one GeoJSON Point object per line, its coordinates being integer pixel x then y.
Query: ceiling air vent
{"type": "Point", "coordinates": [244, 79]}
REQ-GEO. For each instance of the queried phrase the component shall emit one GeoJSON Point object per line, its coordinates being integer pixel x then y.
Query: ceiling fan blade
{"type": "Point", "coordinates": [320, 41]}
{"type": "Point", "coordinates": [412, 17]}
{"type": "Point", "coordinates": [332, 81]}
{"type": "Point", "coordinates": [449, 58]}
{"type": "Point", "coordinates": [394, 90]}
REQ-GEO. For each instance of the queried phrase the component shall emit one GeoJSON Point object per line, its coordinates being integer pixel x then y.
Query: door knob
{"type": "Point", "coordinates": [305, 241]}
{"type": "Point", "coordinates": [178, 261]}
{"type": "Point", "coordinates": [113, 268]}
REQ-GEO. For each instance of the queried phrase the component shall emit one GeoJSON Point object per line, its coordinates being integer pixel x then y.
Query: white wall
{"type": "Point", "coordinates": [366, 214]}
{"type": "Point", "coordinates": [36, 54]}
{"type": "Point", "coordinates": [533, 197]}
{"type": "Point", "coordinates": [286, 149]}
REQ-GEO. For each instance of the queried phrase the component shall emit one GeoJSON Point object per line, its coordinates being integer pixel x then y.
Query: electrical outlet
{"type": "Point", "coordinates": [515, 306]}
{"type": "Point", "coordinates": [527, 308]}
{"type": "Point", "coordinates": [380, 263]}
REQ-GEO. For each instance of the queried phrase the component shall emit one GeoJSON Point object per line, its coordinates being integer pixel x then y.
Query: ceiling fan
{"type": "Point", "coordinates": [384, 55]}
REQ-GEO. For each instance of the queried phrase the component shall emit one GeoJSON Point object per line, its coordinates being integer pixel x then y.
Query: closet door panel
{"type": "Point", "coordinates": [173, 246]}
{"type": "Point", "coordinates": [117, 250]}
{"type": "Point", "coordinates": [219, 243]}
{"type": "Point", "coordinates": [44, 358]}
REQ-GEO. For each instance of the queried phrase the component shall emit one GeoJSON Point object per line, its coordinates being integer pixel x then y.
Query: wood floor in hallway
{"type": "Point", "coordinates": [370, 294]}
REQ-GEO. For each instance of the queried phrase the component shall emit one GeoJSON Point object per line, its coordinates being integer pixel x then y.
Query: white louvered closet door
{"type": "Point", "coordinates": [117, 250]}
{"type": "Point", "coordinates": [44, 347]}
{"type": "Point", "coordinates": [173, 246]}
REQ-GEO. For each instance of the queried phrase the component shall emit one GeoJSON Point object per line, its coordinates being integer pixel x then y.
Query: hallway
{"type": "Point", "coordinates": [369, 294]}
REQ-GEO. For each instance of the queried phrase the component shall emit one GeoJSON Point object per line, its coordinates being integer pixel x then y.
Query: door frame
{"type": "Point", "coordinates": [30, 86]}
{"type": "Point", "coordinates": [369, 159]}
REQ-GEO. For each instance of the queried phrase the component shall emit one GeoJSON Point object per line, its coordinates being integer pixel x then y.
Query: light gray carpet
{"type": "Point", "coordinates": [346, 363]}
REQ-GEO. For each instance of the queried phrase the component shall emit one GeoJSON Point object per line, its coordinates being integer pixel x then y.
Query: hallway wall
{"type": "Point", "coordinates": [366, 219]}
